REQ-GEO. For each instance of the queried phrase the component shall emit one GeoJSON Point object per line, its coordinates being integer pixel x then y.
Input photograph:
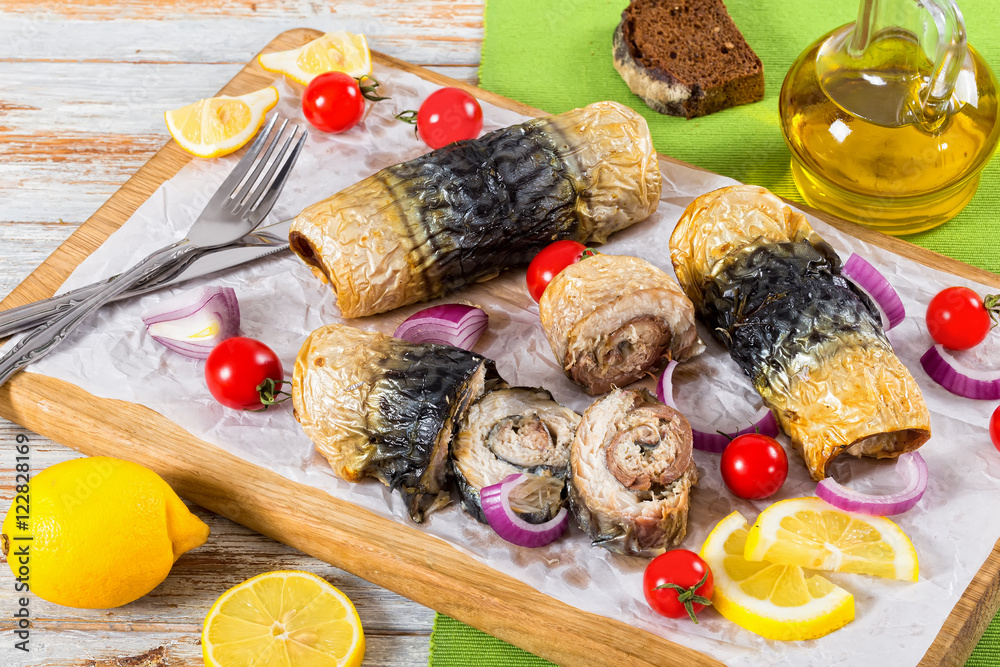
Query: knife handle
{"type": "Point", "coordinates": [31, 315]}
{"type": "Point", "coordinates": [44, 339]}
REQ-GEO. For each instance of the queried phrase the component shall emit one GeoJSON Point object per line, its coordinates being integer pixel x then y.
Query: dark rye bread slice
{"type": "Point", "coordinates": [686, 57]}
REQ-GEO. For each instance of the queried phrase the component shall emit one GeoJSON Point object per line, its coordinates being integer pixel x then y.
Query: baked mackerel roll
{"type": "Point", "coordinates": [610, 319]}
{"type": "Point", "coordinates": [386, 408]}
{"type": "Point", "coordinates": [631, 473]}
{"type": "Point", "coordinates": [465, 212]}
{"type": "Point", "coordinates": [515, 430]}
{"type": "Point", "coordinates": [771, 291]}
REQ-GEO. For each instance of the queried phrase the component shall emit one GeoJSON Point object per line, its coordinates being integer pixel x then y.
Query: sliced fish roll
{"type": "Point", "coordinates": [631, 473]}
{"type": "Point", "coordinates": [515, 430]}
{"type": "Point", "coordinates": [610, 319]}
{"type": "Point", "coordinates": [769, 287]}
{"type": "Point", "coordinates": [382, 407]}
{"type": "Point", "coordinates": [465, 212]}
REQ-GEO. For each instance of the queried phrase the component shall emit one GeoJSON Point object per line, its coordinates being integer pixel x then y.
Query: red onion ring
{"type": "Point", "coordinates": [193, 322]}
{"type": "Point", "coordinates": [452, 324]}
{"type": "Point", "coordinates": [910, 465]}
{"type": "Point", "coordinates": [959, 379]}
{"type": "Point", "coordinates": [868, 279]}
{"type": "Point", "coordinates": [763, 420]}
{"type": "Point", "coordinates": [495, 501]}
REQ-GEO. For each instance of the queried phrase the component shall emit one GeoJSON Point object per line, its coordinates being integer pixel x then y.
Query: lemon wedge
{"type": "Point", "coordinates": [220, 125]}
{"type": "Point", "coordinates": [773, 601]}
{"type": "Point", "coordinates": [333, 52]}
{"type": "Point", "coordinates": [283, 619]}
{"type": "Point", "coordinates": [809, 532]}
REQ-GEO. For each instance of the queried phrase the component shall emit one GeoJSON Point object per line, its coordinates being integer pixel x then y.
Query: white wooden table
{"type": "Point", "coordinates": [83, 87]}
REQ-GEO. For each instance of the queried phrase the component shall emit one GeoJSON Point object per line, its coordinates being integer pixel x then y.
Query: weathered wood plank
{"type": "Point", "coordinates": [61, 646]}
{"type": "Point", "coordinates": [202, 39]}
{"type": "Point", "coordinates": [429, 13]}
{"type": "Point", "coordinates": [94, 98]}
{"type": "Point", "coordinates": [23, 246]}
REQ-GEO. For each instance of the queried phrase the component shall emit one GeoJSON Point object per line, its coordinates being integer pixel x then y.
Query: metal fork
{"type": "Point", "coordinates": [239, 205]}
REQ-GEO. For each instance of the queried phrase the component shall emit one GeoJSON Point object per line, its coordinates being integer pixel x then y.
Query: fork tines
{"type": "Point", "coordinates": [249, 188]}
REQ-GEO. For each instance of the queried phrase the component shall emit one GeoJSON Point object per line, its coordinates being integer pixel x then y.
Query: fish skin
{"type": "Point", "coordinates": [468, 211]}
{"type": "Point", "coordinates": [763, 302]}
{"type": "Point", "coordinates": [376, 406]}
{"type": "Point", "coordinates": [810, 342]}
{"type": "Point", "coordinates": [475, 466]}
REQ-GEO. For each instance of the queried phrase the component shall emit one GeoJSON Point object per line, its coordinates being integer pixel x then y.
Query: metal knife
{"type": "Point", "coordinates": [264, 241]}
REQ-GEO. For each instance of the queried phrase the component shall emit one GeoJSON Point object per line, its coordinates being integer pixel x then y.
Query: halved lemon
{"type": "Point", "coordinates": [283, 619]}
{"type": "Point", "coordinates": [333, 52]}
{"type": "Point", "coordinates": [809, 532]}
{"type": "Point", "coordinates": [220, 125]}
{"type": "Point", "coordinates": [773, 601]}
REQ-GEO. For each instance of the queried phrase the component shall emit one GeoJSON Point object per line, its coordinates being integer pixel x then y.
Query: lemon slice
{"type": "Point", "coordinates": [333, 52]}
{"type": "Point", "coordinates": [808, 532]}
{"type": "Point", "coordinates": [220, 125]}
{"type": "Point", "coordinates": [773, 601]}
{"type": "Point", "coordinates": [283, 619]}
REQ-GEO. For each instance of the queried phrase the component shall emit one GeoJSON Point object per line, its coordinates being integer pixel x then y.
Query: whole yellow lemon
{"type": "Point", "coordinates": [97, 532]}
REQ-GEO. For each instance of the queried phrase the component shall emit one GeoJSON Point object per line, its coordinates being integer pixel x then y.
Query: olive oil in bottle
{"type": "Point", "coordinates": [879, 132]}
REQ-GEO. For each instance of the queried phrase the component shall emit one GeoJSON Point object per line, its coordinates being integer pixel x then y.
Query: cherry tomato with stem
{"type": "Point", "coordinates": [552, 259]}
{"type": "Point", "coordinates": [995, 428]}
{"type": "Point", "coordinates": [244, 374]}
{"type": "Point", "coordinates": [754, 466]}
{"type": "Point", "coordinates": [678, 583]}
{"type": "Point", "coordinates": [958, 319]}
{"type": "Point", "coordinates": [446, 116]}
{"type": "Point", "coordinates": [335, 101]}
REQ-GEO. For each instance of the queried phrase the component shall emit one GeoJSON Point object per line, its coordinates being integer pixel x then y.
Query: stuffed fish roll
{"type": "Point", "coordinates": [610, 319]}
{"type": "Point", "coordinates": [631, 473]}
{"type": "Point", "coordinates": [465, 212]}
{"type": "Point", "coordinates": [812, 345]}
{"type": "Point", "coordinates": [386, 408]}
{"type": "Point", "coordinates": [515, 430]}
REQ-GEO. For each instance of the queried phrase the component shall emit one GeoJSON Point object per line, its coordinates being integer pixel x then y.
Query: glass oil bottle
{"type": "Point", "coordinates": [891, 119]}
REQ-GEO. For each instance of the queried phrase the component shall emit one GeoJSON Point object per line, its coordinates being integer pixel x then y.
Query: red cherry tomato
{"type": "Point", "coordinates": [332, 102]}
{"type": "Point", "coordinates": [551, 260]}
{"type": "Point", "coordinates": [995, 428]}
{"type": "Point", "coordinates": [754, 466]}
{"type": "Point", "coordinates": [447, 115]}
{"type": "Point", "coordinates": [957, 318]}
{"type": "Point", "coordinates": [237, 372]}
{"type": "Point", "coordinates": [684, 569]}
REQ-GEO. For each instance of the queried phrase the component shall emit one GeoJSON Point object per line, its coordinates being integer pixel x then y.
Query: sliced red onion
{"type": "Point", "coordinates": [193, 322]}
{"type": "Point", "coordinates": [762, 421]}
{"type": "Point", "coordinates": [495, 501]}
{"type": "Point", "coordinates": [868, 279]}
{"type": "Point", "coordinates": [451, 324]}
{"type": "Point", "coordinates": [910, 465]}
{"type": "Point", "coordinates": [959, 379]}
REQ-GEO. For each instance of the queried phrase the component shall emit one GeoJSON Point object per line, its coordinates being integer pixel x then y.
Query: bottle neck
{"type": "Point", "coordinates": [898, 64]}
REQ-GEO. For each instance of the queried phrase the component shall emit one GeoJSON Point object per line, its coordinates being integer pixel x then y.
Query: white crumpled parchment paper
{"type": "Point", "coordinates": [954, 526]}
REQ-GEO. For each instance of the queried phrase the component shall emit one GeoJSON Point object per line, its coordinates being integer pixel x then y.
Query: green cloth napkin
{"type": "Point", "coordinates": [455, 644]}
{"type": "Point", "coordinates": [556, 55]}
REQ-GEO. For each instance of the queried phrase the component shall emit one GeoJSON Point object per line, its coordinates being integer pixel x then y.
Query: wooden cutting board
{"type": "Point", "coordinates": [387, 553]}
